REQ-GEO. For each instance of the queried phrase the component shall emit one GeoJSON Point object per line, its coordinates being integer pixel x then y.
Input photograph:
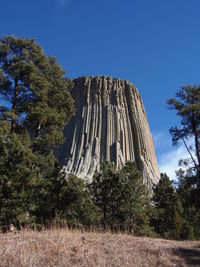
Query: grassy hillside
{"type": "Point", "coordinates": [74, 248]}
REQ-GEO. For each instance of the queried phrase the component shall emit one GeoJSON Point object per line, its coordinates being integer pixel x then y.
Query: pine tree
{"type": "Point", "coordinates": [16, 175]}
{"type": "Point", "coordinates": [169, 221]}
{"type": "Point", "coordinates": [73, 202]}
{"type": "Point", "coordinates": [102, 187]}
{"type": "Point", "coordinates": [135, 205]}
{"type": "Point", "coordinates": [187, 105]}
{"type": "Point", "coordinates": [35, 92]}
{"type": "Point", "coordinates": [122, 198]}
{"type": "Point", "coordinates": [35, 106]}
{"type": "Point", "coordinates": [189, 196]}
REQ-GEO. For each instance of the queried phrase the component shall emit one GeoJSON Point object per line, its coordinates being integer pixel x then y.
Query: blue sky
{"type": "Point", "coordinates": [153, 43]}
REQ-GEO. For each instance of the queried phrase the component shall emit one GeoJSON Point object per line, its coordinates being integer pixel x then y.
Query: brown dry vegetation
{"type": "Point", "coordinates": [74, 248]}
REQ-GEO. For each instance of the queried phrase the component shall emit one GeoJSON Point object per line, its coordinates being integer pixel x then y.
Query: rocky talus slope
{"type": "Point", "coordinates": [110, 124]}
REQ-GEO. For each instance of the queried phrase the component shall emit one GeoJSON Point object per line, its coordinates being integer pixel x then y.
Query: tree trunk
{"type": "Point", "coordinates": [197, 147]}
{"type": "Point", "coordinates": [195, 132]}
{"type": "Point", "coordinates": [14, 106]}
{"type": "Point", "coordinates": [38, 130]}
{"type": "Point", "coordinates": [188, 150]}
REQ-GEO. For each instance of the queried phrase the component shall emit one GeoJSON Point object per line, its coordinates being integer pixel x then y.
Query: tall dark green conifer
{"type": "Point", "coordinates": [187, 104]}
{"type": "Point", "coordinates": [169, 221]}
{"type": "Point", "coordinates": [17, 173]}
{"type": "Point", "coordinates": [189, 196]}
{"type": "Point", "coordinates": [122, 198]}
{"type": "Point", "coordinates": [135, 207]}
{"type": "Point", "coordinates": [35, 107]}
{"type": "Point", "coordinates": [102, 188]}
{"type": "Point", "coordinates": [35, 91]}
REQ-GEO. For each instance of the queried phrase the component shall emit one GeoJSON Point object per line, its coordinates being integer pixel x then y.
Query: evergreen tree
{"type": "Point", "coordinates": [16, 175]}
{"type": "Point", "coordinates": [102, 188]}
{"type": "Point", "coordinates": [187, 105]}
{"type": "Point", "coordinates": [168, 222]}
{"type": "Point", "coordinates": [74, 203]}
{"type": "Point", "coordinates": [34, 91]}
{"type": "Point", "coordinates": [189, 196]}
{"type": "Point", "coordinates": [122, 198]}
{"type": "Point", "coordinates": [35, 106]}
{"type": "Point", "coordinates": [135, 208]}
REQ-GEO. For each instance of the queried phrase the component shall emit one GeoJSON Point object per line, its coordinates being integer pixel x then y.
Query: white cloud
{"type": "Point", "coordinates": [168, 161]}
{"type": "Point", "coordinates": [158, 136]}
{"type": "Point", "coordinates": [162, 140]}
{"type": "Point", "coordinates": [168, 156]}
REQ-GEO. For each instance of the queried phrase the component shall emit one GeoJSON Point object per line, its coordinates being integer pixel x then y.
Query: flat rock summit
{"type": "Point", "coordinates": [110, 124]}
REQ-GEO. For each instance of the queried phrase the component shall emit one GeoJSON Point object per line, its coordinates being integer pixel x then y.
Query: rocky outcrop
{"type": "Point", "coordinates": [110, 124]}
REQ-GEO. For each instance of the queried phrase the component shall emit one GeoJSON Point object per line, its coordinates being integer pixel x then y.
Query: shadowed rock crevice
{"type": "Point", "coordinates": [110, 124]}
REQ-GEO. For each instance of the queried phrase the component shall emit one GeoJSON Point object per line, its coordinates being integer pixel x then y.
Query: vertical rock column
{"type": "Point", "coordinates": [110, 124]}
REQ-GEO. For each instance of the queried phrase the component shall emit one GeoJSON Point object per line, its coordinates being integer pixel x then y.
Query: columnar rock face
{"type": "Point", "coordinates": [110, 124]}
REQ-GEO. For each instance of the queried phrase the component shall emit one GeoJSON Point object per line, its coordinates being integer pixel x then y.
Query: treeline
{"type": "Point", "coordinates": [113, 200]}
{"type": "Point", "coordinates": [35, 106]}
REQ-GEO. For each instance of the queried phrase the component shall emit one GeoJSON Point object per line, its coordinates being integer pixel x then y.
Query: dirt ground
{"type": "Point", "coordinates": [74, 248]}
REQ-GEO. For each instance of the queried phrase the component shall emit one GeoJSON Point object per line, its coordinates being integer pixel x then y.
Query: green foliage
{"type": "Point", "coordinates": [189, 193]}
{"type": "Point", "coordinates": [16, 172]}
{"type": "Point", "coordinates": [73, 203]}
{"type": "Point", "coordinates": [168, 222]}
{"type": "Point", "coordinates": [122, 198]}
{"type": "Point", "coordinates": [35, 108]}
{"type": "Point", "coordinates": [135, 208]}
{"type": "Point", "coordinates": [36, 91]}
{"type": "Point", "coordinates": [187, 105]}
{"type": "Point", "coordinates": [102, 188]}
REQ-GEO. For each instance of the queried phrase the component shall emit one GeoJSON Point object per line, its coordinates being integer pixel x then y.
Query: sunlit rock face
{"type": "Point", "coordinates": [110, 124]}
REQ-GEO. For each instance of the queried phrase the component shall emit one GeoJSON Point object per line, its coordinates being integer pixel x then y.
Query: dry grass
{"type": "Point", "coordinates": [73, 248]}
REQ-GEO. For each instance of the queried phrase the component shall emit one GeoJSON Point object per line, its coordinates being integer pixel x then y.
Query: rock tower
{"type": "Point", "coordinates": [110, 124]}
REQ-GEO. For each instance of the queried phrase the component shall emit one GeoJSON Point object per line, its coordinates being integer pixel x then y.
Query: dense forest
{"type": "Point", "coordinates": [34, 192]}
